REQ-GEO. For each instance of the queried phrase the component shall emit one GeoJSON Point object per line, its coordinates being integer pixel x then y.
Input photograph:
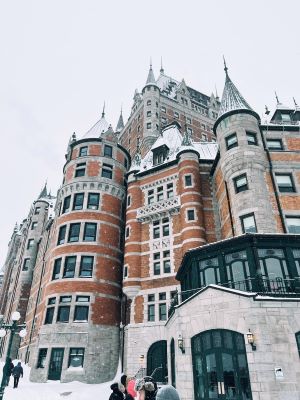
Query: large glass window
{"type": "Point", "coordinates": [275, 275]}
{"type": "Point", "coordinates": [63, 314]}
{"type": "Point", "coordinates": [78, 201]}
{"type": "Point", "coordinates": [90, 230]}
{"type": "Point", "coordinates": [86, 266]}
{"type": "Point", "coordinates": [93, 201]}
{"type": "Point", "coordinates": [209, 272]}
{"type": "Point", "coordinates": [76, 357]}
{"type": "Point", "coordinates": [69, 268]}
{"type": "Point", "coordinates": [293, 224]}
{"type": "Point", "coordinates": [81, 313]}
{"type": "Point", "coordinates": [237, 270]}
{"type": "Point", "coordinates": [74, 232]}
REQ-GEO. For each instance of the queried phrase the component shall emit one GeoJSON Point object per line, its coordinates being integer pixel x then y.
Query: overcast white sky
{"type": "Point", "coordinates": [61, 59]}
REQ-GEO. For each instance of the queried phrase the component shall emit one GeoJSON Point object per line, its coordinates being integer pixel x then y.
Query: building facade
{"type": "Point", "coordinates": [175, 244]}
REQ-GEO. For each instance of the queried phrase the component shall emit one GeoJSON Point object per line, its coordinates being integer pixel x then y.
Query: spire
{"type": "Point", "coordinates": [120, 124]}
{"type": "Point", "coordinates": [278, 102]}
{"type": "Point", "coordinates": [44, 192]}
{"type": "Point", "coordinates": [103, 111]}
{"type": "Point", "coordinates": [162, 71]}
{"type": "Point", "coordinates": [150, 78]}
{"type": "Point", "coordinates": [231, 98]}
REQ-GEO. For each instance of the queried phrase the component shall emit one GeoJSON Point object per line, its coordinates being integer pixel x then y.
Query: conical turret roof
{"type": "Point", "coordinates": [151, 79]}
{"type": "Point", "coordinates": [96, 130]}
{"type": "Point", "coordinates": [120, 124]}
{"type": "Point", "coordinates": [43, 192]}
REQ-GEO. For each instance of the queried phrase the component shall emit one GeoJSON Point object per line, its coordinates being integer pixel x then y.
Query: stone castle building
{"type": "Point", "coordinates": [174, 242]}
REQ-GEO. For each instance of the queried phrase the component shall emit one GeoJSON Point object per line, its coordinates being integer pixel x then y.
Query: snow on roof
{"type": "Point", "coordinates": [96, 130]}
{"type": "Point", "coordinates": [172, 138]}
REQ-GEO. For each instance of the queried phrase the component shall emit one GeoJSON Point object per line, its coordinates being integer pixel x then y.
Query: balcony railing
{"type": "Point", "coordinates": [261, 285]}
{"type": "Point", "coordinates": [156, 210]}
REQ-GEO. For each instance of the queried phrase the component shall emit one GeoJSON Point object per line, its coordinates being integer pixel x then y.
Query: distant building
{"type": "Point", "coordinates": [184, 258]}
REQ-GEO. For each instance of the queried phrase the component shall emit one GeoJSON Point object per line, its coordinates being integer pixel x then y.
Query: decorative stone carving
{"type": "Point", "coordinates": [158, 209]}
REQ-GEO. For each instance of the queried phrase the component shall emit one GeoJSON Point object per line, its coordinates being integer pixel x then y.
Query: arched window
{"type": "Point", "coordinates": [274, 269]}
{"type": "Point", "coordinates": [157, 361]}
{"type": "Point", "coordinates": [237, 270]}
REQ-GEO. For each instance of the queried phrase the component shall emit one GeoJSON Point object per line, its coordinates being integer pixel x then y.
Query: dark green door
{"type": "Point", "coordinates": [157, 361]}
{"type": "Point", "coordinates": [220, 366]}
{"type": "Point", "coordinates": [56, 360]}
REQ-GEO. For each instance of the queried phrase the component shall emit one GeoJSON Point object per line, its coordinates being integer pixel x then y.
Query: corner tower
{"type": "Point", "coordinates": [79, 336]}
{"type": "Point", "coordinates": [243, 166]}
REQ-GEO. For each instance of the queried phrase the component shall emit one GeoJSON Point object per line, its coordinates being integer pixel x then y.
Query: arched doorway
{"type": "Point", "coordinates": [173, 363]}
{"type": "Point", "coordinates": [157, 361]}
{"type": "Point", "coordinates": [220, 366]}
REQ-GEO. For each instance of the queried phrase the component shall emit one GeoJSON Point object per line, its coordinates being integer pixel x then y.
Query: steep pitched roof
{"type": "Point", "coordinates": [151, 79]}
{"type": "Point", "coordinates": [120, 124]}
{"type": "Point", "coordinates": [43, 192]}
{"type": "Point", "coordinates": [96, 130]}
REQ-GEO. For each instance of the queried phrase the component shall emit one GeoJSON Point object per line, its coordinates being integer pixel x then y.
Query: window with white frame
{"type": "Point", "coordinates": [188, 181]}
{"type": "Point", "coordinates": [190, 213]}
{"type": "Point", "coordinates": [151, 308]}
{"type": "Point", "coordinates": [159, 193]}
{"type": "Point", "coordinates": [162, 306]}
{"type": "Point", "coordinates": [161, 228]}
{"type": "Point", "coordinates": [161, 262]}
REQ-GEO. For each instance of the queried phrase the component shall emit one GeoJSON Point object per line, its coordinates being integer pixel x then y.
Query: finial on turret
{"type": "Point", "coordinates": [267, 111]}
{"type": "Point", "coordinates": [296, 105]}
{"type": "Point", "coordinates": [73, 137]}
{"type": "Point", "coordinates": [225, 67]}
{"type": "Point", "coordinates": [103, 110]}
{"type": "Point", "coordinates": [278, 102]}
{"type": "Point", "coordinates": [162, 71]}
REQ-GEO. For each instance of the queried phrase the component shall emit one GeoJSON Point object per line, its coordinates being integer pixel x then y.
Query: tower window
{"type": "Point", "coordinates": [65, 299]}
{"type": "Point", "coordinates": [191, 215]}
{"type": "Point", "coordinates": [293, 224]}
{"type": "Point", "coordinates": [69, 269]}
{"type": "Point", "coordinates": [274, 144]}
{"type": "Point", "coordinates": [37, 210]}
{"type": "Point", "coordinates": [76, 357]}
{"type": "Point", "coordinates": [107, 151]}
{"type": "Point", "coordinates": [125, 271]}
{"type": "Point", "coordinates": [78, 201]}
{"type": "Point", "coordinates": [188, 181]}
{"type": "Point", "coordinates": [248, 223]}
{"type": "Point", "coordinates": [89, 232]}
{"type": "Point", "coordinates": [63, 314]}
{"type": "Point", "coordinates": [26, 264]}
{"type": "Point", "coordinates": [148, 113]}
{"type": "Point", "coordinates": [231, 141]}
{"type": "Point", "coordinates": [49, 315]}
{"type": "Point", "coordinates": [240, 183]}
{"type": "Point", "coordinates": [107, 171]}
{"type": "Point", "coordinates": [128, 201]}
{"type": "Point", "coordinates": [61, 234]}
{"type": "Point", "coordinates": [298, 341]}
{"type": "Point", "coordinates": [80, 170]}
{"type": "Point", "coordinates": [93, 201]}
{"type": "Point", "coordinates": [127, 232]}
{"type": "Point", "coordinates": [33, 225]}
{"type": "Point", "coordinates": [74, 232]}
{"type": "Point", "coordinates": [251, 138]}
{"type": "Point", "coordinates": [86, 266]}
{"type": "Point", "coordinates": [30, 244]}
{"type": "Point", "coordinates": [66, 205]}
{"type": "Point", "coordinates": [285, 183]}
{"type": "Point", "coordinates": [148, 102]}
{"type": "Point", "coordinates": [56, 269]}
{"type": "Point", "coordinates": [149, 125]}
{"type": "Point", "coordinates": [83, 151]}
{"type": "Point", "coordinates": [81, 313]}
{"type": "Point", "coordinates": [42, 358]}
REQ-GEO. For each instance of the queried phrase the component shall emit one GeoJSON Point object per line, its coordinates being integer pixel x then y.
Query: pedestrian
{"type": "Point", "coordinates": [146, 388]}
{"type": "Point", "coordinates": [124, 383]}
{"type": "Point", "coordinates": [7, 370]}
{"type": "Point", "coordinates": [116, 392]}
{"type": "Point", "coordinates": [17, 372]}
{"type": "Point", "coordinates": [130, 387]}
{"type": "Point", "coordinates": [167, 392]}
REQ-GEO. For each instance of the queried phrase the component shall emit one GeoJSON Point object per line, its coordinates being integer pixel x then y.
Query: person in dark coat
{"type": "Point", "coordinates": [146, 388]}
{"type": "Point", "coordinates": [7, 370]}
{"type": "Point", "coordinates": [116, 392]}
{"type": "Point", "coordinates": [124, 382]}
{"type": "Point", "coordinates": [17, 372]}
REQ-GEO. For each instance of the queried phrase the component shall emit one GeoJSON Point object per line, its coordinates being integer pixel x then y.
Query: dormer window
{"type": "Point", "coordinates": [286, 117]}
{"type": "Point", "coordinates": [160, 154]}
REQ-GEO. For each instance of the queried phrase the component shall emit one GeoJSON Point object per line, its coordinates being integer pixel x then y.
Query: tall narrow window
{"type": "Point", "coordinates": [74, 232]}
{"type": "Point", "coordinates": [33, 225]}
{"type": "Point", "coordinates": [231, 141]}
{"type": "Point", "coordinates": [107, 171]}
{"type": "Point", "coordinates": [248, 223]}
{"type": "Point", "coordinates": [162, 311]}
{"type": "Point", "coordinates": [170, 190]}
{"type": "Point", "coordinates": [42, 358]}
{"type": "Point", "coordinates": [62, 234]}
{"type": "Point", "coordinates": [93, 201]}
{"type": "Point", "coordinates": [63, 314]}
{"type": "Point", "coordinates": [37, 210]}
{"type": "Point", "coordinates": [89, 234]}
{"type": "Point", "coordinates": [50, 310]}
{"type": "Point", "coordinates": [26, 264]}
{"type": "Point", "coordinates": [56, 269]}
{"type": "Point", "coordinates": [151, 312]}
{"type": "Point", "coordinates": [81, 313]}
{"type": "Point", "coordinates": [86, 266]}
{"type": "Point", "coordinates": [240, 183]}
{"type": "Point", "coordinates": [150, 196]}
{"type": "Point", "coordinates": [107, 151]}
{"type": "Point", "coordinates": [188, 181]}
{"type": "Point", "coordinates": [66, 204]}
{"type": "Point", "coordinates": [285, 183]}
{"type": "Point", "coordinates": [165, 227]}
{"type": "Point", "coordinates": [78, 201]}
{"type": "Point", "coordinates": [69, 268]}
{"type": "Point", "coordinates": [80, 170]}
{"type": "Point", "coordinates": [30, 243]}
{"type": "Point", "coordinates": [156, 264]}
{"type": "Point", "coordinates": [298, 341]}
{"type": "Point", "coordinates": [166, 261]}
{"type": "Point", "coordinates": [83, 151]}
{"type": "Point", "coordinates": [191, 215]}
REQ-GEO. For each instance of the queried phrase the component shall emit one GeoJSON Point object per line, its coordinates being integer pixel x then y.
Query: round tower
{"type": "Point", "coordinates": [243, 163]}
{"type": "Point", "coordinates": [82, 298]}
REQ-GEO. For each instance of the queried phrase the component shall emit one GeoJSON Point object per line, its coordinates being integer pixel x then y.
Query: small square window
{"type": "Point", "coordinates": [65, 299]}
{"type": "Point", "coordinates": [188, 180]}
{"type": "Point", "coordinates": [93, 201]}
{"type": "Point", "coordinates": [107, 151]}
{"type": "Point", "coordinates": [162, 296]}
{"type": "Point", "coordinates": [293, 224]}
{"type": "Point", "coordinates": [76, 357]}
{"type": "Point", "coordinates": [275, 144]}
{"type": "Point", "coordinates": [231, 141]}
{"type": "Point", "coordinates": [83, 151]}
{"type": "Point", "coordinates": [148, 113]}
{"type": "Point", "coordinates": [251, 138]}
{"type": "Point", "coordinates": [248, 223]}
{"type": "Point", "coordinates": [167, 266]}
{"type": "Point", "coordinates": [188, 120]}
{"type": "Point", "coordinates": [166, 230]}
{"type": "Point", "coordinates": [240, 183]}
{"type": "Point", "coordinates": [285, 183]}
{"type": "Point", "coordinates": [51, 301]}
{"type": "Point", "coordinates": [163, 109]}
{"type": "Point", "coordinates": [26, 264]}
{"type": "Point", "coordinates": [148, 102]}
{"type": "Point", "coordinates": [149, 125]}
{"type": "Point", "coordinates": [90, 230]}
{"type": "Point", "coordinates": [191, 215]}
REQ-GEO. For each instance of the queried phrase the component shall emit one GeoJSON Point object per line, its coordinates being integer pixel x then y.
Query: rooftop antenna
{"type": "Point", "coordinates": [103, 110]}
{"type": "Point", "coordinates": [217, 96]}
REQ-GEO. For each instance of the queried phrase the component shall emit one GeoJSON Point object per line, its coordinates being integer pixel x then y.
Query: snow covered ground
{"type": "Point", "coordinates": [53, 390]}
